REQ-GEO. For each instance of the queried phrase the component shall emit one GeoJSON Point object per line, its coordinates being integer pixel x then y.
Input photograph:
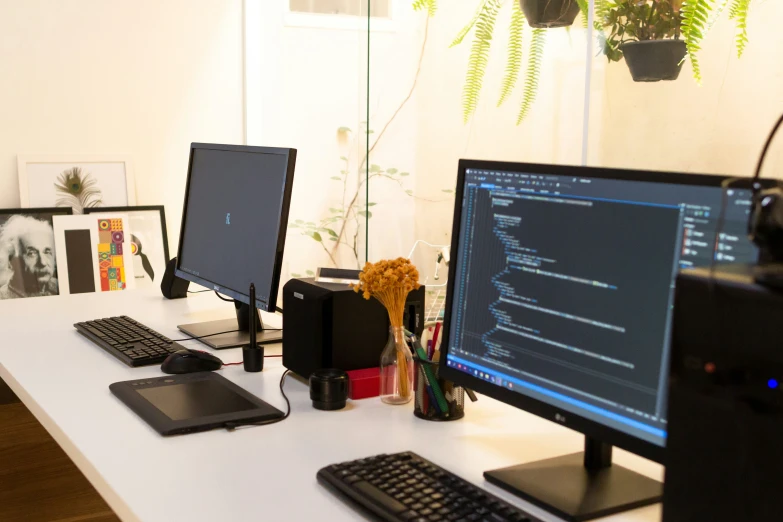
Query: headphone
{"type": "Point", "coordinates": [765, 226]}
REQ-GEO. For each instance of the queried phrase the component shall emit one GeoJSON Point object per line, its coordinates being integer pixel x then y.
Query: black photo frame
{"type": "Point", "coordinates": [47, 213]}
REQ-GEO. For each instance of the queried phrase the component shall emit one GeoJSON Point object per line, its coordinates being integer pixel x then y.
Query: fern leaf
{"type": "Point", "coordinates": [584, 5]}
{"type": "Point", "coordinates": [479, 57]}
{"type": "Point", "coordinates": [418, 5]}
{"type": "Point", "coordinates": [430, 5]}
{"type": "Point", "coordinates": [465, 30]}
{"type": "Point", "coordinates": [514, 62]}
{"type": "Point", "coordinates": [533, 72]}
{"type": "Point", "coordinates": [695, 20]}
{"type": "Point", "coordinates": [739, 12]}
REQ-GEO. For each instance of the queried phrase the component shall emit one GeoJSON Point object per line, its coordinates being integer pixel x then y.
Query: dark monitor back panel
{"type": "Point", "coordinates": [561, 287]}
{"type": "Point", "coordinates": [234, 220]}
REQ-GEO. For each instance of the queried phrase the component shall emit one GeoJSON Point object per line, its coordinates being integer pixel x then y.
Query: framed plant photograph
{"type": "Point", "coordinates": [149, 240]}
{"type": "Point", "coordinates": [28, 258]}
{"type": "Point", "coordinates": [94, 254]}
{"type": "Point", "coordinates": [77, 182]}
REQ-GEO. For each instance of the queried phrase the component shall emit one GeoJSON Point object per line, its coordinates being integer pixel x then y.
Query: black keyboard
{"type": "Point", "coordinates": [128, 340]}
{"type": "Point", "coordinates": [406, 487]}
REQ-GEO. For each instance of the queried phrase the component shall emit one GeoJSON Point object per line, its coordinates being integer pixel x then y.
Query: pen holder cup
{"type": "Point", "coordinates": [436, 399]}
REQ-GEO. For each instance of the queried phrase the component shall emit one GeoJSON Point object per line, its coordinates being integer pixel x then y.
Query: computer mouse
{"type": "Point", "coordinates": [189, 361]}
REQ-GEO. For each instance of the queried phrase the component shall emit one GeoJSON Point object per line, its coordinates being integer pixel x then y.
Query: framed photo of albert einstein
{"type": "Point", "coordinates": [28, 262]}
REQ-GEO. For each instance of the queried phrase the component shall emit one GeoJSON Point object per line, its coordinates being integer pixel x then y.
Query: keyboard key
{"type": "Point", "coordinates": [378, 496]}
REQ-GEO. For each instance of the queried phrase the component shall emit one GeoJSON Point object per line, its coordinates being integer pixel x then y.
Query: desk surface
{"type": "Point", "coordinates": [258, 473]}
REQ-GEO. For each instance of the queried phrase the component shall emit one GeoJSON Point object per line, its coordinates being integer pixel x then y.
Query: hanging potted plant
{"type": "Point", "coordinates": [550, 13]}
{"type": "Point", "coordinates": [648, 34]}
{"type": "Point", "coordinates": [655, 36]}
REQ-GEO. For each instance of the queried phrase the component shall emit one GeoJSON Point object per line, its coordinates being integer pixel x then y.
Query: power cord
{"type": "Point", "coordinates": [198, 291]}
{"type": "Point", "coordinates": [231, 426]}
{"type": "Point", "coordinates": [221, 333]}
{"type": "Point", "coordinates": [226, 299]}
{"type": "Point", "coordinates": [277, 308]}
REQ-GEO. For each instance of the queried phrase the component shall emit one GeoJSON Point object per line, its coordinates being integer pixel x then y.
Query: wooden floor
{"type": "Point", "coordinates": [38, 482]}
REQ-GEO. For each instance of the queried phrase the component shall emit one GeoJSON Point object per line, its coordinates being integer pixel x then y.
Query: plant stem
{"type": "Point", "coordinates": [383, 130]}
{"type": "Point", "coordinates": [649, 19]}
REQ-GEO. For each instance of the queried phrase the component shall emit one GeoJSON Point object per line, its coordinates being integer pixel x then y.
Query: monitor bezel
{"type": "Point", "coordinates": [589, 428]}
{"type": "Point", "coordinates": [243, 295]}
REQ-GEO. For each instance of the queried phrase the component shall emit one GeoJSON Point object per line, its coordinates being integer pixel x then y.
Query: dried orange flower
{"type": "Point", "coordinates": [389, 281]}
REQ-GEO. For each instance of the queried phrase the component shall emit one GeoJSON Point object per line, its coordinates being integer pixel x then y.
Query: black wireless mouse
{"type": "Point", "coordinates": [189, 361]}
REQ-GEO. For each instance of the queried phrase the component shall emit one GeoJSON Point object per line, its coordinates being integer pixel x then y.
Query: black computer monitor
{"type": "Point", "coordinates": [233, 232]}
{"type": "Point", "coordinates": [559, 302]}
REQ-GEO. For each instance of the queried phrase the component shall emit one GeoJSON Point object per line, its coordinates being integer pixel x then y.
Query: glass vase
{"type": "Point", "coordinates": [396, 369]}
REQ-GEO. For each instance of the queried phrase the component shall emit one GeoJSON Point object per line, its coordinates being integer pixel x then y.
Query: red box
{"type": "Point", "coordinates": [363, 384]}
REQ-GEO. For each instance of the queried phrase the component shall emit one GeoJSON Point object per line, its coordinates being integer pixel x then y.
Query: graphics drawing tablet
{"type": "Point", "coordinates": [176, 404]}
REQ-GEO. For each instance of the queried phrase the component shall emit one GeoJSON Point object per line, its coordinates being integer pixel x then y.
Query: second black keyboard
{"type": "Point", "coordinates": [129, 341]}
{"type": "Point", "coordinates": [405, 487]}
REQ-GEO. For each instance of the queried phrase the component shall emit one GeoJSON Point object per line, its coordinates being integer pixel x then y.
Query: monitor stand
{"type": "Point", "coordinates": [581, 486]}
{"type": "Point", "coordinates": [233, 339]}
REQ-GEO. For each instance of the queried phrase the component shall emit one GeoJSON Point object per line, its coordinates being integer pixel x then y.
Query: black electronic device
{"type": "Point", "coordinates": [128, 340]}
{"type": "Point", "coordinates": [252, 354]}
{"type": "Point", "coordinates": [723, 458]}
{"type": "Point", "coordinates": [177, 404]}
{"type": "Point", "coordinates": [171, 286]}
{"type": "Point", "coordinates": [190, 361]}
{"type": "Point", "coordinates": [330, 325]}
{"type": "Point", "coordinates": [233, 232]}
{"type": "Point", "coordinates": [329, 389]}
{"type": "Point", "coordinates": [559, 302]}
{"type": "Point", "coordinates": [337, 275]}
{"type": "Point", "coordinates": [405, 487]}
{"type": "Point", "coordinates": [765, 226]}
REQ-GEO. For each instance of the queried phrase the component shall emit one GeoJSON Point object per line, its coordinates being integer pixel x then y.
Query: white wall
{"type": "Point", "coordinates": [718, 127]}
{"type": "Point", "coordinates": [144, 78]}
{"type": "Point", "coordinates": [552, 132]}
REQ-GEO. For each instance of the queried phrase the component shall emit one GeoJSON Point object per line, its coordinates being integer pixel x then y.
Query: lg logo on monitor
{"type": "Point", "coordinates": [560, 418]}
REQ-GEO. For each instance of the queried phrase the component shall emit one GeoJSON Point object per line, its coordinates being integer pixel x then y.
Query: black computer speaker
{"type": "Point", "coordinates": [328, 325]}
{"type": "Point", "coordinates": [172, 286]}
{"type": "Point", "coordinates": [723, 458]}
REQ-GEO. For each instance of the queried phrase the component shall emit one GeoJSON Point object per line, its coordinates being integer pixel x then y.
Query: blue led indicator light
{"type": "Point", "coordinates": [772, 383]}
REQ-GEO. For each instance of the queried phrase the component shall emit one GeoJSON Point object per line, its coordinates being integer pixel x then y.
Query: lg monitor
{"type": "Point", "coordinates": [233, 233]}
{"type": "Point", "coordinates": [559, 302]}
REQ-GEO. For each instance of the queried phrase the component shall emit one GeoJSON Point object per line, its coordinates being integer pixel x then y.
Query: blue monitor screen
{"type": "Point", "coordinates": [564, 287]}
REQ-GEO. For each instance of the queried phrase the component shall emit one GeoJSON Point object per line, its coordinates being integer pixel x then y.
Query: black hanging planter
{"type": "Point", "coordinates": [654, 60]}
{"type": "Point", "coordinates": [549, 13]}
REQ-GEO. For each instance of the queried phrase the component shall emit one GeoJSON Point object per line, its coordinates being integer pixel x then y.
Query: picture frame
{"type": "Point", "coordinates": [38, 277]}
{"type": "Point", "coordinates": [94, 253]}
{"type": "Point", "coordinates": [76, 181]}
{"type": "Point", "coordinates": [149, 240]}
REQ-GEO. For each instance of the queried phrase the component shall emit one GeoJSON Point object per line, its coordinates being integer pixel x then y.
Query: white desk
{"type": "Point", "coordinates": [259, 473]}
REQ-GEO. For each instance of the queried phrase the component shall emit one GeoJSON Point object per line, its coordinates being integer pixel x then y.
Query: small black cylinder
{"type": "Point", "coordinates": [253, 358]}
{"type": "Point", "coordinates": [329, 389]}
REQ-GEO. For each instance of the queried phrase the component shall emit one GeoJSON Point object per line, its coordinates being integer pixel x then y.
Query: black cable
{"type": "Point", "coordinates": [278, 309]}
{"type": "Point", "coordinates": [223, 298]}
{"type": "Point", "coordinates": [757, 174]}
{"type": "Point", "coordinates": [221, 333]}
{"type": "Point", "coordinates": [198, 291]}
{"type": "Point", "coordinates": [230, 426]}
